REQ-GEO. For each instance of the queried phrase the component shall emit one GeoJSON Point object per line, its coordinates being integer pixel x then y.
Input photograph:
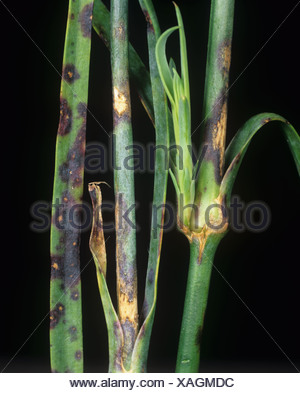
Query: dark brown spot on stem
{"type": "Point", "coordinates": [65, 121]}
{"type": "Point", "coordinates": [81, 109]}
{"type": "Point", "coordinates": [57, 269]}
{"type": "Point", "coordinates": [85, 20]}
{"type": "Point", "coordinates": [149, 21]}
{"type": "Point", "coordinates": [70, 74]}
{"type": "Point", "coordinates": [75, 295]}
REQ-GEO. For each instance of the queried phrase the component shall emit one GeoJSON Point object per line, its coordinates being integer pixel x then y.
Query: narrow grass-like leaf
{"type": "Point", "coordinates": [98, 250]}
{"type": "Point", "coordinates": [65, 289]}
{"type": "Point", "coordinates": [183, 54]}
{"type": "Point", "coordinates": [175, 183]}
{"type": "Point", "coordinates": [239, 144]}
{"type": "Point", "coordinates": [162, 63]}
{"type": "Point", "coordinates": [181, 116]}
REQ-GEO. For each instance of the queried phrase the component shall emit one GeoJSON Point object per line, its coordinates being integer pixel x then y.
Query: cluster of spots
{"type": "Point", "coordinates": [56, 314]}
{"type": "Point", "coordinates": [71, 260]}
{"type": "Point", "coordinates": [66, 266]}
{"type": "Point", "coordinates": [78, 355]}
{"type": "Point", "coordinates": [85, 20]}
{"type": "Point", "coordinates": [65, 120]}
{"type": "Point", "coordinates": [72, 169]}
{"type": "Point", "coordinates": [70, 74]}
{"type": "Point", "coordinates": [60, 216]}
{"type": "Point", "coordinates": [73, 333]}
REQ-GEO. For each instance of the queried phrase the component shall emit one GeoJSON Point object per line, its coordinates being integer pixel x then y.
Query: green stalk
{"type": "Point", "coordinates": [140, 355]}
{"type": "Point", "coordinates": [206, 230]}
{"type": "Point", "coordinates": [65, 289]}
{"type": "Point", "coordinates": [215, 107]}
{"type": "Point", "coordinates": [202, 251]}
{"type": "Point", "coordinates": [123, 181]}
{"type": "Point", "coordinates": [137, 70]}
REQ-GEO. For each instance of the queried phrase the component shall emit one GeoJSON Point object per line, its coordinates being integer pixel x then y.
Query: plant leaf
{"type": "Point", "coordinates": [172, 65]}
{"type": "Point", "coordinates": [183, 54]}
{"type": "Point", "coordinates": [162, 63]}
{"type": "Point", "coordinates": [98, 250]}
{"type": "Point", "coordinates": [239, 144]}
{"type": "Point", "coordinates": [175, 183]}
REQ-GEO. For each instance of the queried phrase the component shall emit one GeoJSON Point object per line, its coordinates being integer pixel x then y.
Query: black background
{"type": "Point", "coordinates": [262, 268]}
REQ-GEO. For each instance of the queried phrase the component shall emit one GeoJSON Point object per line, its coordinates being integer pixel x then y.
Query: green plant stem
{"type": "Point", "coordinates": [65, 289]}
{"type": "Point", "coordinates": [215, 106]}
{"type": "Point", "coordinates": [140, 355]}
{"type": "Point", "coordinates": [137, 70]}
{"type": "Point", "coordinates": [123, 181]}
{"type": "Point", "coordinates": [202, 251]}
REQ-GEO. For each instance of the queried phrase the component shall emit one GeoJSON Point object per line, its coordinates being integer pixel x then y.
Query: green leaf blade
{"type": "Point", "coordinates": [239, 144]}
{"type": "Point", "coordinates": [162, 63]}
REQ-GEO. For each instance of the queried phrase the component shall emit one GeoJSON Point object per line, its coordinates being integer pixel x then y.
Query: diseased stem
{"type": "Point", "coordinates": [65, 289]}
{"type": "Point", "coordinates": [202, 251]}
{"type": "Point", "coordinates": [206, 230]}
{"type": "Point", "coordinates": [124, 180]}
{"type": "Point", "coordinates": [215, 106]}
{"type": "Point", "coordinates": [137, 70]}
{"type": "Point", "coordinates": [140, 355]}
